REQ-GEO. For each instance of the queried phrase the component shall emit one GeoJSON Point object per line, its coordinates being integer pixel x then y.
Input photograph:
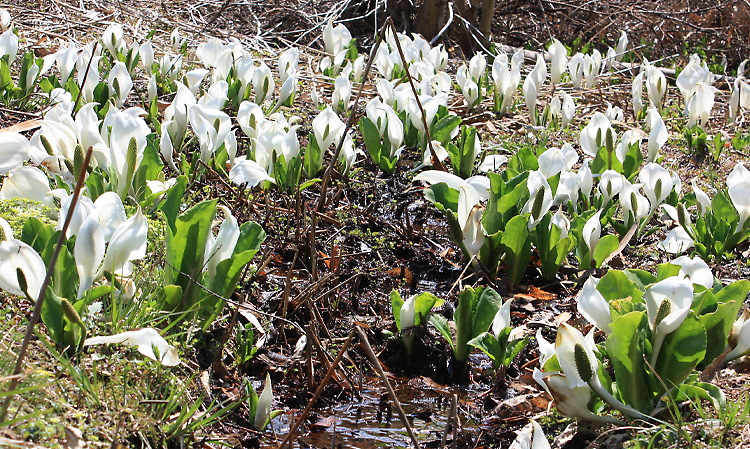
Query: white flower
{"type": "Point", "coordinates": [113, 39]}
{"type": "Point", "coordinates": [559, 55]}
{"type": "Point", "coordinates": [263, 408]}
{"type": "Point", "coordinates": [537, 205]}
{"type": "Point", "coordinates": [657, 183]}
{"type": "Point", "coordinates": [592, 231]}
{"type": "Point", "coordinates": [16, 255]}
{"type": "Point", "coordinates": [14, 151]}
{"type": "Point", "coordinates": [593, 306]}
{"type": "Point", "coordinates": [696, 270]}
{"type": "Point", "coordinates": [594, 135]}
{"type": "Point", "coordinates": [145, 340]}
{"type": "Point", "coordinates": [622, 45]}
{"type": "Point", "coordinates": [525, 441]}
{"type": "Point", "coordinates": [656, 85]}
{"type": "Point", "coordinates": [667, 304]}
{"type": "Point", "coordinates": [502, 318]}
{"type": "Point", "coordinates": [677, 241]}
{"type": "Point", "coordinates": [704, 202]}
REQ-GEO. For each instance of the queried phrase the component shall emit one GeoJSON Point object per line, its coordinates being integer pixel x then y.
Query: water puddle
{"type": "Point", "coordinates": [372, 420]}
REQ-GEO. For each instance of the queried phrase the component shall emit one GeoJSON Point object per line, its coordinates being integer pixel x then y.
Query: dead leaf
{"type": "Point", "coordinates": [324, 422]}
{"type": "Point", "coordinates": [401, 273]}
{"type": "Point", "coordinates": [23, 126]}
{"type": "Point", "coordinates": [523, 404]}
{"type": "Point", "coordinates": [73, 438]}
{"type": "Point", "coordinates": [538, 293]}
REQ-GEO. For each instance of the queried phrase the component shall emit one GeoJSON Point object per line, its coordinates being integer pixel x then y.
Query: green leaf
{"type": "Point", "coordinates": [486, 309]}
{"type": "Point", "coordinates": [371, 136]}
{"type": "Point", "coordinates": [736, 291]}
{"type": "Point", "coordinates": [723, 207]}
{"type": "Point", "coordinates": [681, 351]}
{"type": "Point", "coordinates": [151, 166]}
{"type": "Point", "coordinates": [702, 391]}
{"type": "Point", "coordinates": [171, 206]}
{"type": "Point", "coordinates": [442, 196]}
{"type": "Point", "coordinates": [625, 349]}
{"type": "Point", "coordinates": [523, 160]}
{"type": "Point", "coordinates": [616, 285]}
{"type": "Point", "coordinates": [423, 304]}
{"type": "Point", "coordinates": [491, 252]}
{"type": "Point", "coordinates": [717, 325]}
{"type": "Point", "coordinates": [514, 348]}
{"type": "Point", "coordinates": [186, 247]}
{"type": "Point", "coordinates": [666, 270]}
{"type": "Point", "coordinates": [442, 129]}
{"type": "Point", "coordinates": [606, 246]}
{"type": "Point", "coordinates": [170, 297]}
{"type": "Point", "coordinates": [463, 317]}
{"type": "Point", "coordinates": [65, 275]}
{"type": "Point", "coordinates": [468, 140]}
{"type": "Point", "coordinates": [228, 271]}
{"type": "Point", "coordinates": [396, 304]}
{"type": "Point", "coordinates": [36, 234]}
{"type": "Point", "coordinates": [633, 161]}
{"type": "Point", "coordinates": [640, 278]}
{"type": "Point", "coordinates": [313, 161]}
{"type": "Point", "coordinates": [52, 316]}
{"type": "Point", "coordinates": [441, 324]}
{"type": "Point", "coordinates": [488, 344]}
{"type": "Point", "coordinates": [516, 246]}
{"type": "Point", "coordinates": [506, 200]}
{"type": "Point", "coordinates": [6, 81]}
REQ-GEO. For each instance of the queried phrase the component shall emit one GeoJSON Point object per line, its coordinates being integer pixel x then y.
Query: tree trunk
{"type": "Point", "coordinates": [431, 17]}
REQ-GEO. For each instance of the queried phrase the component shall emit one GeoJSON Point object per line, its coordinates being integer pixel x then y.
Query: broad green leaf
{"type": "Point", "coordinates": [442, 195]}
{"type": "Point", "coordinates": [666, 270]}
{"type": "Point", "coordinates": [523, 160]}
{"type": "Point", "coordinates": [723, 207]}
{"type": "Point", "coordinates": [626, 352]}
{"type": "Point", "coordinates": [64, 275]}
{"type": "Point", "coordinates": [616, 285]}
{"type": "Point", "coordinates": [633, 161]}
{"type": "Point", "coordinates": [228, 271]}
{"type": "Point", "coordinates": [36, 234]}
{"type": "Point", "coordinates": [171, 206]}
{"type": "Point", "coordinates": [464, 319]}
{"type": "Point", "coordinates": [715, 324]}
{"type": "Point", "coordinates": [488, 344]}
{"type": "Point", "coordinates": [52, 316]}
{"type": "Point", "coordinates": [171, 297]}
{"type": "Point", "coordinates": [606, 246]}
{"type": "Point", "coordinates": [492, 252]}
{"type": "Point", "coordinates": [396, 304]}
{"type": "Point", "coordinates": [151, 166]}
{"type": "Point", "coordinates": [514, 348]}
{"type": "Point", "coordinates": [516, 246]}
{"type": "Point", "coordinates": [640, 278]}
{"type": "Point", "coordinates": [371, 136]}
{"type": "Point", "coordinates": [313, 160]}
{"type": "Point", "coordinates": [442, 129]}
{"type": "Point", "coordinates": [486, 309]}
{"type": "Point", "coordinates": [681, 351]}
{"type": "Point", "coordinates": [423, 304]}
{"type": "Point", "coordinates": [186, 247]}
{"type": "Point", "coordinates": [441, 324]}
{"type": "Point", "coordinates": [97, 183]}
{"type": "Point", "coordinates": [468, 139]}
{"type": "Point", "coordinates": [702, 391]}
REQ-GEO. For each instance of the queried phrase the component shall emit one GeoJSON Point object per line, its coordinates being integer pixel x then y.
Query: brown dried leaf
{"type": "Point", "coordinates": [23, 126]}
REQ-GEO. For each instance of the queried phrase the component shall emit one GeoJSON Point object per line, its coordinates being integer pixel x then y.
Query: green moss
{"type": "Point", "coordinates": [18, 210]}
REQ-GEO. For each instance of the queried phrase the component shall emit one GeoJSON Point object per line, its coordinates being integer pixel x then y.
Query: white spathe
{"type": "Point", "coordinates": [145, 340]}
